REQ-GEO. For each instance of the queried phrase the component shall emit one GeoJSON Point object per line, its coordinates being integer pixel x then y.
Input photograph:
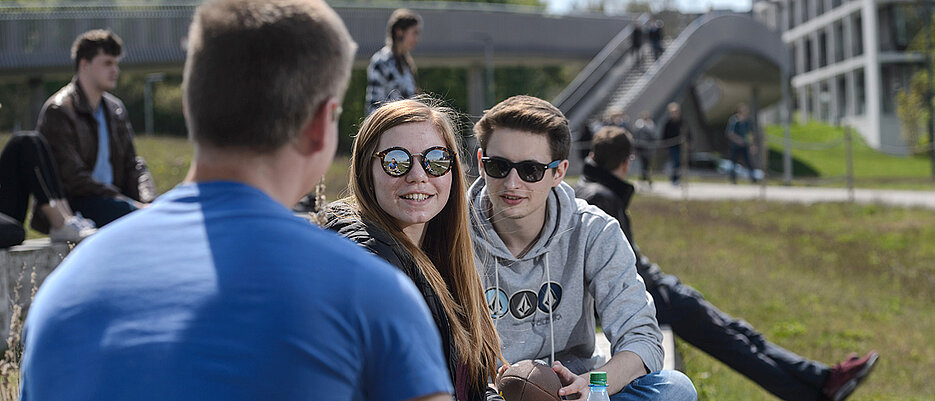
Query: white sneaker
{"type": "Point", "coordinates": [75, 229]}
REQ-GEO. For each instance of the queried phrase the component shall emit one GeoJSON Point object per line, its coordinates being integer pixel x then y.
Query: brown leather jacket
{"type": "Point", "coordinates": [68, 124]}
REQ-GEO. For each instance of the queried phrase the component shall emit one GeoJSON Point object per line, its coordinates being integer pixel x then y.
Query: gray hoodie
{"type": "Point", "coordinates": [584, 255]}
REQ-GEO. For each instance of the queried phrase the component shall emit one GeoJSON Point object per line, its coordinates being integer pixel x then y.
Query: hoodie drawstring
{"type": "Point", "coordinates": [548, 291]}
{"type": "Point", "coordinates": [496, 273]}
{"type": "Point", "coordinates": [548, 298]}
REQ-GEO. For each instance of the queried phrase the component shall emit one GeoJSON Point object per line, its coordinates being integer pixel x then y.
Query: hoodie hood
{"type": "Point", "coordinates": [559, 218]}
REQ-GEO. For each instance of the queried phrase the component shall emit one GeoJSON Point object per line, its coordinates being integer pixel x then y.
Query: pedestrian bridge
{"type": "Point", "coordinates": [36, 39]}
{"type": "Point", "coordinates": [715, 63]}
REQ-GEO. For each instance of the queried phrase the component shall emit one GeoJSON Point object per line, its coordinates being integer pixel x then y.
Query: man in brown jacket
{"type": "Point", "coordinates": [89, 133]}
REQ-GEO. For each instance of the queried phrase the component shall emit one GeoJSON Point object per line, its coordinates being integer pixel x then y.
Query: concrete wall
{"type": "Point", "coordinates": [17, 265]}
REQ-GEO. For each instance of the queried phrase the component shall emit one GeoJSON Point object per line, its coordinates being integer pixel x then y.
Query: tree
{"type": "Point", "coordinates": [911, 107]}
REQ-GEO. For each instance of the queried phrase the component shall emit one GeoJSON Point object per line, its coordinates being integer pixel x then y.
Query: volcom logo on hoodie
{"type": "Point", "coordinates": [523, 303]}
{"type": "Point", "coordinates": [550, 296]}
{"type": "Point", "coordinates": [496, 302]}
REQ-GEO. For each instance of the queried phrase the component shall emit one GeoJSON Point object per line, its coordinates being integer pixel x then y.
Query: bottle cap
{"type": "Point", "coordinates": [599, 378]}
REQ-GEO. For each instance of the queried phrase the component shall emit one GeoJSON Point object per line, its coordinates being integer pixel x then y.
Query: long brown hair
{"type": "Point", "coordinates": [402, 19]}
{"type": "Point", "coordinates": [446, 257]}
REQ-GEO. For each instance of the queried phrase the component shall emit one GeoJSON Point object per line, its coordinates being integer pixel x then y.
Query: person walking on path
{"type": "Point", "coordinates": [392, 72]}
{"type": "Point", "coordinates": [88, 131]}
{"type": "Point", "coordinates": [732, 341]}
{"type": "Point", "coordinates": [676, 136]}
{"type": "Point", "coordinates": [740, 135]}
{"type": "Point", "coordinates": [217, 291]}
{"type": "Point", "coordinates": [645, 130]}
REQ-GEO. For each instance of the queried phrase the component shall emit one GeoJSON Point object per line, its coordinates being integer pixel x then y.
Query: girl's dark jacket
{"type": "Point", "coordinates": [342, 219]}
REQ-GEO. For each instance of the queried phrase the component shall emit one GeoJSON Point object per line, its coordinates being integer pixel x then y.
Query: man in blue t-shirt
{"type": "Point", "coordinates": [217, 291]}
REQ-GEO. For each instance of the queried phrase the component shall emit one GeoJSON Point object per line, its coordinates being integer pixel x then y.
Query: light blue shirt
{"type": "Point", "coordinates": [103, 171]}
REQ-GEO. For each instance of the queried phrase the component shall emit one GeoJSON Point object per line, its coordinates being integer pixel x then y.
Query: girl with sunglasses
{"type": "Point", "coordinates": [407, 205]}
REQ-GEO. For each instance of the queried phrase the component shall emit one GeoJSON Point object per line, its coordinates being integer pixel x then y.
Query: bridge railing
{"type": "Point", "coordinates": [41, 37]}
{"type": "Point", "coordinates": [38, 38]}
{"type": "Point", "coordinates": [596, 70]}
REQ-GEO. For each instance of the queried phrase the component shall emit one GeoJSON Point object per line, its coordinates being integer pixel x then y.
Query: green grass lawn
{"type": "Point", "coordinates": [168, 159]}
{"type": "Point", "coordinates": [821, 280]}
{"type": "Point", "coordinates": [871, 168]}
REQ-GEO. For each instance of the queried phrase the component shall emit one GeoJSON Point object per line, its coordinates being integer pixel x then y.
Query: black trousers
{"type": "Point", "coordinates": [740, 152]}
{"type": "Point", "coordinates": [26, 168]}
{"type": "Point", "coordinates": [646, 161]}
{"type": "Point", "coordinates": [735, 343]}
{"type": "Point", "coordinates": [11, 232]}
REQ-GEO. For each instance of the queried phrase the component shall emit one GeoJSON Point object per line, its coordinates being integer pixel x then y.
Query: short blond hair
{"type": "Point", "coordinates": [258, 70]}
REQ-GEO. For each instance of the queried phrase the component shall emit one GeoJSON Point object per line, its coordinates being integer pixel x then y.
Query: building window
{"type": "Point", "coordinates": [822, 49]}
{"type": "Point", "coordinates": [860, 106]}
{"type": "Point", "coordinates": [857, 47]}
{"type": "Point", "coordinates": [838, 41]}
{"type": "Point", "coordinates": [841, 83]}
{"type": "Point", "coordinates": [824, 102]}
{"type": "Point", "coordinates": [808, 107]}
{"type": "Point", "coordinates": [804, 10]}
{"type": "Point", "coordinates": [908, 22]}
{"type": "Point", "coordinates": [896, 77]}
{"type": "Point", "coordinates": [808, 54]}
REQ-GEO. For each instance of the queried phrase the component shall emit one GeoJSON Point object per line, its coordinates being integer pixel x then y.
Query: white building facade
{"type": "Point", "coordinates": [849, 60]}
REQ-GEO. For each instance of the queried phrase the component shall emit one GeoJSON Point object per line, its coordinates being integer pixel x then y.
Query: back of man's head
{"type": "Point", "coordinates": [529, 114]}
{"type": "Point", "coordinates": [93, 42]}
{"type": "Point", "coordinates": [611, 147]}
{"type": "Point", "coordinates": [257, 70]}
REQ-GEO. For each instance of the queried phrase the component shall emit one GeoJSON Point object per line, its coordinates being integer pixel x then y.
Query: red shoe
{"type": "Point", "coordinates": [846, 376]}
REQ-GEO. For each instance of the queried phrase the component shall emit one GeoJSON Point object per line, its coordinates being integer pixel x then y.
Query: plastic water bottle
{"type": "Point", "coordinates": [598, 387]}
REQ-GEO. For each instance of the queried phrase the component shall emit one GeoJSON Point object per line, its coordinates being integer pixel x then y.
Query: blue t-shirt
{"type": "Point", "coordinates": [218, 292]}
{"type": "Point", "coordinates": [103, 172]}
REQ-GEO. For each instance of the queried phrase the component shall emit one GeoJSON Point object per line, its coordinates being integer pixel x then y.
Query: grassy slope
{"type": "Point", "coordinates": [871, 168]}
{"type": "Point", "coordinates": [820, 280]}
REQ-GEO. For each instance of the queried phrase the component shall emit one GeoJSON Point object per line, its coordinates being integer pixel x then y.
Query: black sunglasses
{"type": "Point", "coordinates": [397, 161]}
{"type": "Point", "coordinates": [529, 171]}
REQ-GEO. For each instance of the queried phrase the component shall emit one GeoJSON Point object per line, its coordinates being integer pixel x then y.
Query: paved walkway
{"type": "Point", "coordinates": [710, 191]}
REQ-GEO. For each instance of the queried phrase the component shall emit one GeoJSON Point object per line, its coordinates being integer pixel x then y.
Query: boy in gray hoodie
{"type": "Point", "coordinates": [548, 261]}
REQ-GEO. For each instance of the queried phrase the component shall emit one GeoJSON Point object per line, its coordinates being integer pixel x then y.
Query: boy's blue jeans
{"type": "Point", "coordinates": [664, 385]}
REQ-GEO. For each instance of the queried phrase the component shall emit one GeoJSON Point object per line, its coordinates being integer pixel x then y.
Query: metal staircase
{"type": "Point", "coordinates": [710, 45]}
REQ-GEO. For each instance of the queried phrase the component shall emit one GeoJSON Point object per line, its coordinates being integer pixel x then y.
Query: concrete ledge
{"type": "Point", "coordinates": [16, 267]}
{"type": "Point", "coordinates": [673, 360]}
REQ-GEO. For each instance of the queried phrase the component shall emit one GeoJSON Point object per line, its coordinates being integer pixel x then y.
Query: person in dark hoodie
{"type": "Point", "coordinates": [694, 319]}
{"type": "Point", "coordinates": [548, 261]}
{"type": "Point", "coordinates": [407, 206]}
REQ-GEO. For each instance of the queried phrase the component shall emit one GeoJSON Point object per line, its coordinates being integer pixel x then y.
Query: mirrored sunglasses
{"type": "Point", "coordinates": [397, 161]}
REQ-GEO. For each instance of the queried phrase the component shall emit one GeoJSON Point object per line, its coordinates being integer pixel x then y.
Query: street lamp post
{"type": "Point", "coordinates": [148, 98]}
{"type": "Point", "coordinates": [930, 121]}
